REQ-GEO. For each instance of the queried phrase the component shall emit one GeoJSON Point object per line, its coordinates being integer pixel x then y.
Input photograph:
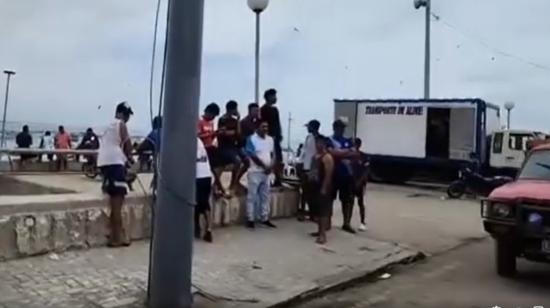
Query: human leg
{"type": "Point", "coordinates": [254, 180]}
{"type": "Point", "coordinates": [264, 191]}
{"type": "Point", "coordinates": [115, 186]}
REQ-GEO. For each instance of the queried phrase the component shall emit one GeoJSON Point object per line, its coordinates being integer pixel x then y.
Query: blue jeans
{"type": "Point", "coordinates": [257, 201]}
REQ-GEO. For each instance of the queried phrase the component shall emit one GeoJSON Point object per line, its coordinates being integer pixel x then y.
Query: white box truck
{"type": "Point", "coordinates": [436, 137]}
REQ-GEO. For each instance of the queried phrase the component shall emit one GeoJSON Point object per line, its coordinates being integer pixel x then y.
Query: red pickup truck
{"type": "Point", "coordinates": [517, 215]}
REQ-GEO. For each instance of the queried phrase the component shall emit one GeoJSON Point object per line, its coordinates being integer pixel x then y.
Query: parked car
{"type": "Point", "coordinates": [517, 215]}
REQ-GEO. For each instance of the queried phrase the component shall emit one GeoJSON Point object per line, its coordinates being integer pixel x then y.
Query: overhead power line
{"type": "Point", "coordinates": [489, 47]}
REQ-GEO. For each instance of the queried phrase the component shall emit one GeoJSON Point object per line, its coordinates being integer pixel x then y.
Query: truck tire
{"type": "Point", "coordinates": [505, 258]}
{"type": "Point", "coordinates": [456, 190]}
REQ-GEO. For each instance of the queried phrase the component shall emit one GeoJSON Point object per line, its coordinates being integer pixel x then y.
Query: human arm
{"type": "Point", "coordinates": [328, 164]}
{"type": "Point", "coordinates": [251, 152]}
{"type": "Point", "coordinates": [126, 142]}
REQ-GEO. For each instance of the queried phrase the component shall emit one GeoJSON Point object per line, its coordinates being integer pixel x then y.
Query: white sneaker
{"type": "Point", "coordinates": [362, 227]}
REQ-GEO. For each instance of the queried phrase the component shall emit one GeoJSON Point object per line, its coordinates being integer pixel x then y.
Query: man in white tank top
{"type": "Point", "coordinates": [203, 191]}
{"type": "Point", "coordinates": [115, 150]}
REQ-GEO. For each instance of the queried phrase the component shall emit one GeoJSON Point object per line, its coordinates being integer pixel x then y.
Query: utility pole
{"type": "Point", "coordinates": [289, 130]}
{"type": "Point", "coordinates": [171, 260]}
{"type": "Point", "coordinates": [8, 77]}
{"type": "Point", "coordinates": [428, 5]}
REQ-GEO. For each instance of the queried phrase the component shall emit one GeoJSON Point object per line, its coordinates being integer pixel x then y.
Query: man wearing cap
{"type": "Point", "coordinates": [115, 150]}
{"type": "Point", "coordinates": [343, 152]}
{"type": "Point", "coordinates": [306, 158]}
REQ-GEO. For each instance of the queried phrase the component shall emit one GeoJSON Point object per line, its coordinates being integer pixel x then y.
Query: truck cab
{"type": "Point", "coordinates": [507, 150]}
{"type": "Point", "coordinates": [517, 215]}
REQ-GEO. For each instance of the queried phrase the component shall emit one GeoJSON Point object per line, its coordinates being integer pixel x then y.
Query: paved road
{"type": "Point", "coordinates": [460, 278]}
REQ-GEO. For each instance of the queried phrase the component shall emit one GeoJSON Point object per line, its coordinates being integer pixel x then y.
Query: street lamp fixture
{"type": "Point", "coordinates": [509, 106]}
{"type": "Point", "coordinates": [428, 5]}
{"type": "Point", "coordinates": [257, 6]}
{"type": "Point", "coordinates": [8, 77]}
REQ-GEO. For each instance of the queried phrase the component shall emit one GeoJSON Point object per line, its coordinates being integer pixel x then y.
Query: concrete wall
{"type": "Point", "coordinates": [44, 231]}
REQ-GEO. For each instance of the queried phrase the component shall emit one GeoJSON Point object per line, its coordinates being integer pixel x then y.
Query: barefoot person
{"type": "Point", "coordinates": [320, 176]}
{"type": "Point", "coordinates": [202, 193]}
{"type": "Point", "coordinates": [259, 148]}
{"type": "Point", "coordinates": [115, 150]}
{"type": "Point", "coordinates": [360, 174]}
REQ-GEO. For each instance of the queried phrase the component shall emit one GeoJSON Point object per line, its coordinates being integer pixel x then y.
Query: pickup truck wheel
{"type": "Point", "coordinates": [505, 258]}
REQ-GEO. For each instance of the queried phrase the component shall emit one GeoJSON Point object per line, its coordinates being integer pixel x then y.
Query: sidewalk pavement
{"type": "Point", "coordinates": [242, 268]}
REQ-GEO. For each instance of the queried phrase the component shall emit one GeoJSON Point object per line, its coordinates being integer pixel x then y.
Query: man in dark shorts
{"type": "Point", "coordinates": [343, 153]}
{"type": "Point", "coordinates": [320, 177]}
{"type": "Point", "coordinates": [207, 134]}
{"type": "Point", "coordinates": [229, 141]}
{"type": "Point", "coordinates": [248, 126]}
{"type": "Point", "coordinates": [360, 175]}
{"type": "Point", "coordinates": [270, 113]}
{"type": "Point", "coordinates": [115, 151]}
{"type": "Point", "coordinates": [203, 191]}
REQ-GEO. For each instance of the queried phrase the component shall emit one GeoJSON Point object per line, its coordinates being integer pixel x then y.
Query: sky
{"type": "Point", "coordinates": [76, 59]}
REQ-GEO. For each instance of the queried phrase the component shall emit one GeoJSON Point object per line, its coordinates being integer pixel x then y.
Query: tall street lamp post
{"type": "Point", "coordinates": [428, 5]}
{"type": "Point", "coordinates": [3, 139]}
{"type": "Point", "coordinates": [257, 6]}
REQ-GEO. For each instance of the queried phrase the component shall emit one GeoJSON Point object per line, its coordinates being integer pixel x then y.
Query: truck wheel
{"type": "Point", "coordinates": [505, 258]}
{"type": "Point", "coordinates": [456, 190]}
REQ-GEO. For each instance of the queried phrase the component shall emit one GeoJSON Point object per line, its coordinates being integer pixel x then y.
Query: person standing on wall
{"type": "Point", "coordinates": [308, 153]}
{"type": "Point", "coordinates": [260, 148]}
{"type": "Point", "coordinates": [115, 150]}
{"type": "Point", "coordinates": [343, 152]}
{"type": "Point", "coordinates": [270, 113]}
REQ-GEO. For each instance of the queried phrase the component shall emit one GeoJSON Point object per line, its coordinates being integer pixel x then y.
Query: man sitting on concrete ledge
{"type": "Point", "coordinates": [260, 149]}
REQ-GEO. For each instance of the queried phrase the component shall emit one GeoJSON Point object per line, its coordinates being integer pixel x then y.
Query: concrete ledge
{"type": "Point", "coordinates": [58, 226]}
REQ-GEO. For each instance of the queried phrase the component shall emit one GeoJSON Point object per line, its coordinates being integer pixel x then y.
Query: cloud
{"type": "Point", "coordinates": [72, 56]}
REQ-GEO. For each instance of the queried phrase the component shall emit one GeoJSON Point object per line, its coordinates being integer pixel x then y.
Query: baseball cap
{"type": "Point", "coordinates": [339, 123]}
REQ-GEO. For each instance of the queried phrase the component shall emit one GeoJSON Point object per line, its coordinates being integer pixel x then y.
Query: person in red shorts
{"type": "Point", "coordinates": [207, 134]}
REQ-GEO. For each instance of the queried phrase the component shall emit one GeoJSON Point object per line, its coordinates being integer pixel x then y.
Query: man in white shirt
{"type": "Point", "coordinates": [308, 153]}
{"type": "Point", "coordinates": [203, 190]}
{"type": "Point", "coordinates": [260, 149]}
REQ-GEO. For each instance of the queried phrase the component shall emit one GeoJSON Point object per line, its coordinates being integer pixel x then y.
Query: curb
{"type": "Point", "coordinates": [346, 280]}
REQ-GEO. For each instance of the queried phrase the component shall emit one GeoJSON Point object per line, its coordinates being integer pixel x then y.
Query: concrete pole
{"type": "Point", "coordinates": [257, 60]}
{"type": "Point", "coordinates": [4, 117]}
{"type": "Point", "coordinates": [509, 111]}
{"type": "Point", "coordinates": [173, 237]}
{"type": "Point", "coordinates": [427, 52]}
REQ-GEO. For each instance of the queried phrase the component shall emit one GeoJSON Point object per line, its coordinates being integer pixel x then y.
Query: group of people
{"type": "Point", "coordinates": [61, 141]}
{"type": "Point", "coordinates": [330, 168]}
{"type": "Point", "coordinates": [251, 145]}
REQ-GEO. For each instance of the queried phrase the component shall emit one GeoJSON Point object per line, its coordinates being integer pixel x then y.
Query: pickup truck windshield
{"type": "Point", "coordinates": [537, 166]}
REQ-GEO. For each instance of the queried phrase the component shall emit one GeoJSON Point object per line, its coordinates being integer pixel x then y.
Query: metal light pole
{"type": "Point", "coordinates": [428, 5]}
{"type": "Point", "coordinates": [257, 6]}
{"type": "Point", "coordinates": [171, 260]}
{"type": "Point", "coordinates": [8, 77]}
{"type": "Point", "coordinates": [509, 106]}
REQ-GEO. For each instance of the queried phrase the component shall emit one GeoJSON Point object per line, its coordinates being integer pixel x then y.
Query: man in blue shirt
{"type": "Point", "coordinates": [343, 152]}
